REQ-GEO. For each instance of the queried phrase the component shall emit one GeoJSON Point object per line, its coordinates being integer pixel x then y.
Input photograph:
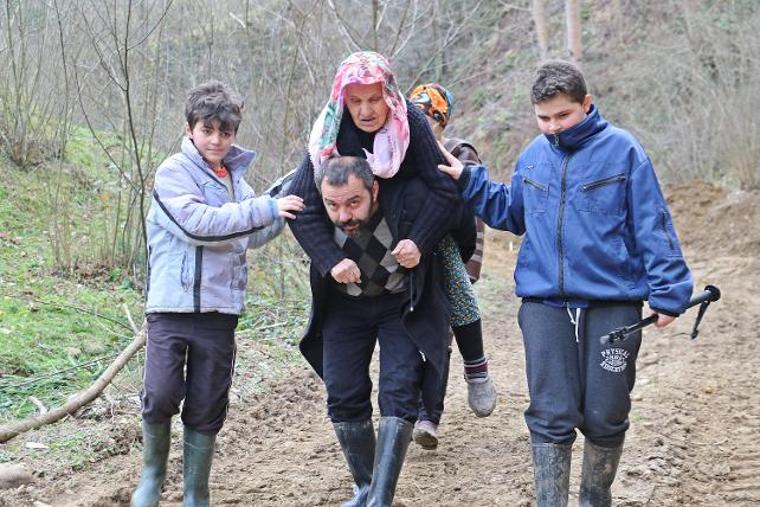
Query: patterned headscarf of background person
{"type": "Point", "coordinates": [434, 100]}
{"type": "Point", "coordinates": [391, 141]}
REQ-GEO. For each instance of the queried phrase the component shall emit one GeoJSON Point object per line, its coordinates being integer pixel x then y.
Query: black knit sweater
{"type": "Point", "coordinates": [313, 228]}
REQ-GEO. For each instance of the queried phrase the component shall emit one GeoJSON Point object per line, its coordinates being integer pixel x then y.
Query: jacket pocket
{"type": "Point", "coordinates": [605, 195]}
{"type": "Point", "coordinates": [535, 195]}
{"type": "Point", "coordinates": [185, 277]}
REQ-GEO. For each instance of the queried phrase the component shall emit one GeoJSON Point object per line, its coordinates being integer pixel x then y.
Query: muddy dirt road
{"type": "Point", "coordinates": [695, 419]}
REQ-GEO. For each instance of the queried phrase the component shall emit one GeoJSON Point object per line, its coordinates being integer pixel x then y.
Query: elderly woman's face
{"type": "Point", "coordinates": [366, 106]}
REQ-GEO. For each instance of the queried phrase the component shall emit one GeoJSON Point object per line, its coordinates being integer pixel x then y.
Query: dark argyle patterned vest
{"type": "Point", "coordinates": [371, 250]}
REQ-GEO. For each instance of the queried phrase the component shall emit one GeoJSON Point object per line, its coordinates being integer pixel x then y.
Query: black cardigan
{"type": "Point", "coordinates": [312, 227]}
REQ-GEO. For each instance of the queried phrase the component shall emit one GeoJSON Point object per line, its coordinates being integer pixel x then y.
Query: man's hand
{"type": "Point", "coordinates": [455, 167]}
{"type": "Point", "coordinates": [346, 271]}
{"type": "Point", "coordinates": [406, 253]}
{"type": "Point", "coordinates": [289, 203]}
{"type": "Point", "coordinates": [663, 320]}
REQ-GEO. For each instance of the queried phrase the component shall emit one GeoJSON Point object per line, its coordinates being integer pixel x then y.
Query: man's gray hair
{"type": "Point", "coordinates": [336, 170]}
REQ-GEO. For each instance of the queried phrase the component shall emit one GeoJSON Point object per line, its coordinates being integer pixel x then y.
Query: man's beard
{"type": "Point", "coordinates": [354, 226]}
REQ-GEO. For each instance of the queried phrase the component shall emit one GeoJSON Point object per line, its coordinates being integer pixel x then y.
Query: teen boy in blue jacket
{"type": "Point", "coordinates": [598, 241]}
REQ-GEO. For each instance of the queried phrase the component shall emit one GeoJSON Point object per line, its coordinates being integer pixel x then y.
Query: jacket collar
{"type": "Point", "coordinates": [237, 161]}
{"type": "Point", "coordinates": [574, 137]}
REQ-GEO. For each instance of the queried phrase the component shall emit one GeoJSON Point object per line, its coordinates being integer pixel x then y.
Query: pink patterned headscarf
{"type": "Point", "coordinates": [391, 141]}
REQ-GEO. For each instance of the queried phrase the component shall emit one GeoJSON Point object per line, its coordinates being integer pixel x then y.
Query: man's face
{"type": "Point", "coordinates": [350, 206]}
{"type": "Point", "coordinates": [560, 112]}
{"type": "Point", "coordinates": [212, 142]}
{"type": "Point", "coordinates": [366, 105]}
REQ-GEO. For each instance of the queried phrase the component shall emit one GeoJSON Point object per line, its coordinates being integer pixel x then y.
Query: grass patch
{"type": "Point", "coordinates": [53, 329]}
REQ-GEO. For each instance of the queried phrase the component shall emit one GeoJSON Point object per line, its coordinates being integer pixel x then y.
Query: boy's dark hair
{"type": "Point", "coordinates": [555, 77]}
{"type": "Point", "coordinates": [336, 171]}
{"type": "Point", "coordinates": [213, 100]}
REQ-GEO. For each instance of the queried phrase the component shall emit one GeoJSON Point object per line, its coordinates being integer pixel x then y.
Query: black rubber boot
{"type": "Point", "coordinates": [551, 472]}
{"type": "Point", "coordinates": [393, 439]}
{"type": "Point", "coordinates": [357, 439]}
{"type": "Point", "coordinates": [199, 451]}
{"type": "Point", "coordinates": [156, 440]}
{"type": "Point", "coordinates": [599, 468]}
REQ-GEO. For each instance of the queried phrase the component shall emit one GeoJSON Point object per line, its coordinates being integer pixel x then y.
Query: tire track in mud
{"type": "Point", "coordinates": [696, 403]}
{"type": "Point", "coordinates": [724, 452]}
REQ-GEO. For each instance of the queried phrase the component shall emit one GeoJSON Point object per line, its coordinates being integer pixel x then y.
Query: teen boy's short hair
{"type": "Point", "coordinates": [213, 100]}
{"type": "Point", "coordinates": [556, 77]}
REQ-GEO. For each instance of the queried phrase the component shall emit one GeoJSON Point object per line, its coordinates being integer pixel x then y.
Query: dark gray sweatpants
{"type": "Point", "coordinates": [189, 356]}
{"type": "Point", "coordinates": [575, 382]}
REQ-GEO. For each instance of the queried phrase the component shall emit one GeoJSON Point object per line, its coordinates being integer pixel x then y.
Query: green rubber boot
{"type": "Point", "coordinates": [551, 472]}
{"type": "Point", "coordinates": [393, 437]}
{"type": "Point", "coordinates": [156, 440]}
{"type": "Point", "coordinates": [357, 440]}
{"type": "Point", "coordinates": [199, 450]}
{"type": "Point", "coordinates": [599, 468]}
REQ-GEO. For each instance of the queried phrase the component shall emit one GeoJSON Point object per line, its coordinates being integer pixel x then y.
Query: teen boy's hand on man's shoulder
{"type": "Point", "coordinates": [455, 167]}
{"type": "Point", "coordinates": [289, 203]}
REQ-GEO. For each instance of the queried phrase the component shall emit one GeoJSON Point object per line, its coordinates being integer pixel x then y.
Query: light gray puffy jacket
{"type": "Point", "coordinates": [198, 234]}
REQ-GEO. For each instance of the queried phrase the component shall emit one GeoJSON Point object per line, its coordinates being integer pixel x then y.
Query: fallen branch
{"type": "Point", "coordinates": [78, 400]}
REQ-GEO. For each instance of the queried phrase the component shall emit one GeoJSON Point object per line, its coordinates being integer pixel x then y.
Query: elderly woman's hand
{"type": "Point", "coordinates": [455, 167]}
{"type": "Point", "coordinates": [407, 253]}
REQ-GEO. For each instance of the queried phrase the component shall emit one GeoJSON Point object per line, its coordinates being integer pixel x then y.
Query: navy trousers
{"type": "Point", "coordinates": [189, 356]}
{"type": "Point", "coordinates": [351, 328]}
{"type": "Point", "coordinates": [575, 382]}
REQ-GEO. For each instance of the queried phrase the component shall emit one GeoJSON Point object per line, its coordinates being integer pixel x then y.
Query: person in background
{"type": "Point", "coordinates": [599, 240]}
{"type": "Point", "coordinates": [202, 218]}
{"type": "Point", "coordinates": [437, 104]}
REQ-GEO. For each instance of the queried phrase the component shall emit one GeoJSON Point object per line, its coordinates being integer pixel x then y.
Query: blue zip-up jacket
{"type": "Point", "coordinates": [198, 234]}
{"type": "Point", "coordinates": [596, 225]}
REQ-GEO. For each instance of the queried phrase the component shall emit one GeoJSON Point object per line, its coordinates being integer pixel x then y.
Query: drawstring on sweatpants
{"type": "Point", "coordinates": [574, 320]}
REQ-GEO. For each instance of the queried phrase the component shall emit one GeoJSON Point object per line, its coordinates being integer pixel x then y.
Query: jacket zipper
{"type": "Point", "coordinates": [560, 221]}
{"type": "Point", "coordinates": [605, 181]}
{"type": "Point", "coordinates": [534, 184]}
{"type": "Point", "coordinates": [665, 229]}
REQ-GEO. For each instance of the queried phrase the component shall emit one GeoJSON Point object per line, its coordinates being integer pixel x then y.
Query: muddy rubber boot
{"type": "Point", "coordinates": [357, 440]}
{"type": "Point", "coordinates": [393, 439]}
{"type": "Point", "coordinates": [599, 467]}
{"type": "Point", "coordinates": [199, 451]}
{"type": "Point", "coordinates": [156, 440]}
{"type": "Point", "coordinates": [551, 472]}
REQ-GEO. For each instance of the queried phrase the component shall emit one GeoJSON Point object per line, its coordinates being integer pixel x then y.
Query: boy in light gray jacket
{"type": "Point", "coordinates": [203, 217]}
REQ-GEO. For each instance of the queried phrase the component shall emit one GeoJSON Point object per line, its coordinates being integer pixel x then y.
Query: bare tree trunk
{"type": "Point", "coordinates": [617, 21]}
{"type": "Point", "coordinates": [539, 19]}
{"type": "Point", "coordinates": [375, 13]}
{"type": "Point", "coordinates": [573, 16]}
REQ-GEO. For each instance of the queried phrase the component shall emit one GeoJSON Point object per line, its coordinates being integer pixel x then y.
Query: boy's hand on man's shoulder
{"type": "Point", "coordinates": [455, 167]}
{"type": "Point", "coordinates": [288, 204]}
